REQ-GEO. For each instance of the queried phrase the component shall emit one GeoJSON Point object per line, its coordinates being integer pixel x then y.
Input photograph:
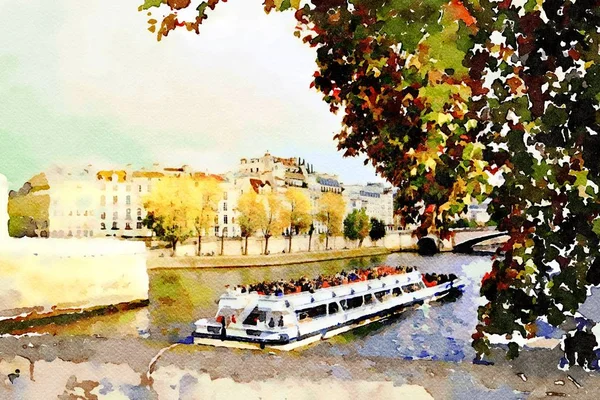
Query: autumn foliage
{"type": "Point", "coordinates": [455, 102]}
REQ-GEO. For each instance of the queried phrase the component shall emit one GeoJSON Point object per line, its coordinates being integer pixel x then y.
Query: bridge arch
{"type": "Point", "coordinates": [428, 245]}
{"type": "Point", "coordinates": [467, 245]}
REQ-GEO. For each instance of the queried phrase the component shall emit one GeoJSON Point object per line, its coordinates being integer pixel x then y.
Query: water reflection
{"type": "Point", "coordinates": [179, 297]}
{"type": "Point", "coordinates": [437, 331]}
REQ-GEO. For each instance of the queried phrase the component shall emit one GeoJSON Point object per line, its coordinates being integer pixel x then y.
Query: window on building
{"type": "Point", "coordinates": [115, 215]}
{"type": "Point", "coordinates": [115, 199]}
{"type": "Point", "coordinates": [70, 234]}
{"type": "Point", "coordinates": [139, 225]}
{"type": "Point", "coordinates": [224, 195]}
{"type": "Point", "coordinates": [103, 215]}
{"type": "Point", "coordinates": [217, 230]}
{"type": "Point", "coordinates": [128, 213]}
{"type": "Point", "coordinates": [102, 226]}
{"type": "Point", "coordinates": [128, 188]}
{"type": "Point", "coordinates": [233, 220]}
{"type": "Point", "coordinates": [225, 206]}
{"type": "Point", "coordinates": [103, 200]}
{"type": "Point", "coordinates": [128, 200]}
{"type": "Point", "coordinates": [225, 219]}
{"type": "Point", "coordinates": [127, 226]}
{"type": "Point", "coordinates": [115, 188]}
{"type": "Point", "coordinates": [71, 213]}
{"type": "Point", "coordinates": [140, 188]}
{"type": "Point", "coordinates": [114, 225]}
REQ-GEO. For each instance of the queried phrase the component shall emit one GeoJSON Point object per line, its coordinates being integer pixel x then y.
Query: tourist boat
{"type": "Point", "coordinates": [285, 322]}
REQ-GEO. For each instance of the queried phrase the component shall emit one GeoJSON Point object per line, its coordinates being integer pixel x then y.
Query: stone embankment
{"type": "Point", "coordinates": [93, 367]}
{"type": "Point", "coordinates": [155, 261]}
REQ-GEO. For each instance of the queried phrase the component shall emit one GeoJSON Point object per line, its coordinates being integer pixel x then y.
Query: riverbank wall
{"type": "Point", "coordinates": [41, 277]}
{"type": "Point", "coordinates": [155, 261]}
{"type": "Point", "coordinates": [394, 240]}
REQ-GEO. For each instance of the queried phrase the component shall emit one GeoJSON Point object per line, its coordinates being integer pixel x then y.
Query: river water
{"type": "Point", "coordinates": [438, 331]}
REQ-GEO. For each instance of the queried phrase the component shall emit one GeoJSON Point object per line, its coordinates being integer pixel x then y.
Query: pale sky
{"type": "Point", "coordinates": [84, 82]}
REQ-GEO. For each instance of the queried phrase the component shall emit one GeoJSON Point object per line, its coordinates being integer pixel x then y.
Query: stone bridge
{"type": "Point", "coordinates": [462, 241]}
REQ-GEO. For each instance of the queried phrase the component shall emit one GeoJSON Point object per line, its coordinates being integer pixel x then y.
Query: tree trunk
{"type": "Point", "coordinates": [266, 244]}
{"type": "Point", "coordinates": [290, 245]}
{"type": "Point", "coordinates": [360, 242]}
{"type": "Point", "coordinates": [309, 241]}
{"type": "Point", "coordinates": [222, 242]}
{"type": "Point", "coordinates": [173, 247]}
{"type": "Point", "coordinates": [246, 247]}
{"type": "Point", "coordinates": [199, 245]}
{"type": "Point", "coordinates": [326, 240]}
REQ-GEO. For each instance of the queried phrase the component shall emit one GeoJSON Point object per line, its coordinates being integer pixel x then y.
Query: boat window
{"type": "Point", "coordinates": [379, 295]}
{"type": "Point", "coordinates": [354, 302]}
{"type": "Point", "coordinates": [368, 298]}
{"type": "Point", "coordinates": [396, 291]}
{"type": "Point", "coordinates": [313, 312]}
{"type": "Point", "coordinates": [302, 315]}
{"type": "Point", "coordinates": [413, 287]}
{"type": "Point", "coordinates": [255, 317]}
{"type": "Point", "coordinates": [333, 308]}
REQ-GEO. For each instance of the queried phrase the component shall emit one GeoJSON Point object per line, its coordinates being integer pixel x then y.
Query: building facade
{"type": "Point", "coordinates": [90, 202]}
{"type": "Point", "coordinates": [375, 198]}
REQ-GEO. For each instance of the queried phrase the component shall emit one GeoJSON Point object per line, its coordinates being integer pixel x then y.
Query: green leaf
{"type": "Point", "coordinates": [152, 3]}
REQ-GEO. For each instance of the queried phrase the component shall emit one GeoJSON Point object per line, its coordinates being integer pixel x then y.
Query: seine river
{"type": "Point", "coordinates": [438, 331]}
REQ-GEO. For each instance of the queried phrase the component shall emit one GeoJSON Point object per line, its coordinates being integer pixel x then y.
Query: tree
{"type": "Point", "coordinates": [357, 226]}
{"type": "Point", "coordinates": [439, 106]}
{"type": "Point", "coordinates": [296, 212]}
{"type": "Point", "coordinates": [154, 224]}
{"type": "Point", "coordinates": [206, 193]}
{"type": "Point", "coordinates": [174, 209]}
{"type": "Point", "coordinates": [396, 72]}
{"type": "Point", "coordinates": [377, 230]}
{"type": "Point", "coordinates": [541, 112]}
{"type": "Point", "coordinates": [332, 208]}
{"type": "Point", "coordinates": [273, 221]}
{"type": "Point", "coordinates": [252, 214]}
{"type": "Point", "coordinates": [28, 209]}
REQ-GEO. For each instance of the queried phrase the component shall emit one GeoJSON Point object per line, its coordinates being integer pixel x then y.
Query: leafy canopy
{"type": "Point", "coordinates": [457, 102]}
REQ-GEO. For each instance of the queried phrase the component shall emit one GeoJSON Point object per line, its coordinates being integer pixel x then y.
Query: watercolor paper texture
{"type": "Point", "coordinates": [288, 199]}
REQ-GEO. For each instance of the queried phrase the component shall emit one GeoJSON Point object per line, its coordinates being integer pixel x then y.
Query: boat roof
{"type": "Point", "coordinates": [303, 300]}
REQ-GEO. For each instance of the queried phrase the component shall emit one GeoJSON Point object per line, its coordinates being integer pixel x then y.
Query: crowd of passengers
{"type": "Point", "coordinates": [281, 287]}
{"type": "Point", "coordinates": [437, 279]}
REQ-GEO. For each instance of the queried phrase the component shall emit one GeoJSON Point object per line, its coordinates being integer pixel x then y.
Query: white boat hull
{"type": "Point", "coordinates": [316, 333]}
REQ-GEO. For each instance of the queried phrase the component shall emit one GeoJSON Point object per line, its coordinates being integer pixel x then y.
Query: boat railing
{"type": "Point", "coordinates": [411, 277]}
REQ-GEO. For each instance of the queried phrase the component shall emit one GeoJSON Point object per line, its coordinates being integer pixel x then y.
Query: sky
{"type": "Point", "coordinates": [85, 82]}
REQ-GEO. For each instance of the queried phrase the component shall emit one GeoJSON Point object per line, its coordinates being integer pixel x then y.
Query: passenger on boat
{"type": "Point", "coordinates": [281, 287]}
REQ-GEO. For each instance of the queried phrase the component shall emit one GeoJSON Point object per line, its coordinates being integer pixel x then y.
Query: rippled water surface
{"type": "Point", "coordinates": [179, 297]}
